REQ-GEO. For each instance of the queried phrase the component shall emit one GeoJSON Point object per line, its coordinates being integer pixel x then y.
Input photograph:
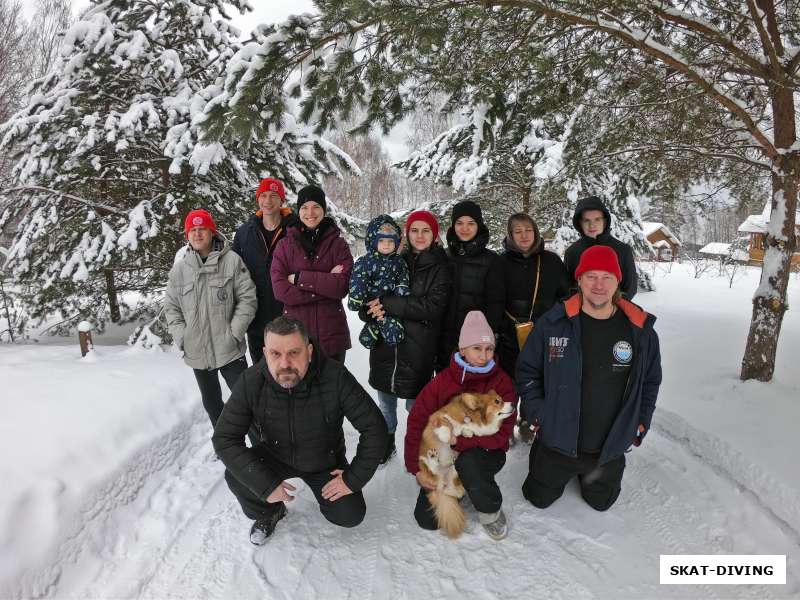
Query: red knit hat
{"type": "Point", "coordinates": [425, 216]}
{"type": "Point", "coordinates": [199, 218]}
{"type": "Point", "coordinates": [599, 258]}
{"type": "Point", "coordinates": [271, 185]}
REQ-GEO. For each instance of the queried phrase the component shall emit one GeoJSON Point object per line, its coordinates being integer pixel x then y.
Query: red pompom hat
{"type": "Point", "coordinates": [599, 258]}
{"type": "Point", "coordinates": [425, 216]}
{"type": "Point", "coordinates": [199, 218]}
{"type": "Point", "coordinates": [271, 185]}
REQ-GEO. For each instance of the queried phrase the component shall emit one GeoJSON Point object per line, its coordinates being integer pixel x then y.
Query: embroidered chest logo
{"type": "Point", "coordinates": [623, 352]}
{"type": "Point", "coordinates": [556, 348]}
{"type": "Point", "coordinates": [222, 295]}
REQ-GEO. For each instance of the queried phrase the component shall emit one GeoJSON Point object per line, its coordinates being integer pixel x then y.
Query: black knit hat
{"type": "Point", "coordinates": [312, 193]}
{"type": "Point", "coordinates": [467, 208]}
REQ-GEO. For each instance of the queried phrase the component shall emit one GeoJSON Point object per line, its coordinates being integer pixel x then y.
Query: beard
{"type": "Point", "coordinates": [287, 378]}
{"type": "Point", "coordinates": [599, 306]}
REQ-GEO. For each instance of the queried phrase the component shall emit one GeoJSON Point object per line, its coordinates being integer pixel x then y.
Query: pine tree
{"type": "Point", "coordinates": [109, 155]}
{"type": "Point", "coordinates": [712, 80]}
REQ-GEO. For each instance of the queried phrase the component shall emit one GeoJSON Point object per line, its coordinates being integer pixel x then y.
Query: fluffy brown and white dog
{"type": "Point", "coordinates": [466, 415]}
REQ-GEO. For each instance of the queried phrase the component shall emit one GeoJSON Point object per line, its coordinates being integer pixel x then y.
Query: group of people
{"type": "Point", "coordinates": [560, 339]}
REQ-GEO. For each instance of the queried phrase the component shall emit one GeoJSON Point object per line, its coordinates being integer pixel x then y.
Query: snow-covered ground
{"type": "Point", "coordinates": [111, 490]}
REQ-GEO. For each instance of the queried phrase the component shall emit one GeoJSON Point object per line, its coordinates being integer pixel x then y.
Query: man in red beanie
{"type": "Point", "coordinates": [589, 378]}
{"type": "Point", "coordinates": [209, 302]}
{"type": "Point", "coordinates": [255, 241]}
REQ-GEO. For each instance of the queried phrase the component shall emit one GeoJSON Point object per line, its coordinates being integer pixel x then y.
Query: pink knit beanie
{"type": "Point", "coordinates": [475, 330]}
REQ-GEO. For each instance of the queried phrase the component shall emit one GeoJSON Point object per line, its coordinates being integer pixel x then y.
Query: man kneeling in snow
{"type": "Point", "coordinates": [589, 377]}
{"type": "Point", "coordinates": [295, 398]}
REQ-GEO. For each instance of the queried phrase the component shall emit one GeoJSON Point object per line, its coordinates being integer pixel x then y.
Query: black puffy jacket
{"type": "Point", "coordinates": [403, 370]}
{"type": "Point", "coordinates": [519, 276]}
{"type": "Point", "coordinates": [250, 243]}
{"type": "Point", "coordinates": [301, 426]}
{"type": "Point", "coordinates": [477, 285]}
{"type": "Point", "coordinates": [630, 280]}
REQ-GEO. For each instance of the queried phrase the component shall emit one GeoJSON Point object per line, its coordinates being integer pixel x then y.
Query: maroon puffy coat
{"type": "Point", "coordinates": [438, 392]}
{"type": "Point", "coordinates": [316, 296]}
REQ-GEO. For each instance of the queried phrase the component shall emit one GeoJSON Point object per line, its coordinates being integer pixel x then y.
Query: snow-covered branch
{"type": "Point", "coordinates": [102, 209]}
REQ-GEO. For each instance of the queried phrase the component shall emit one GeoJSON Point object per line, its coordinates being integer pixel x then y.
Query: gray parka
{"type": "Point", "coordinates": [209, 306]}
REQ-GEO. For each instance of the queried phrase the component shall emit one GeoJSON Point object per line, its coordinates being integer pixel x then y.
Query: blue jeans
{"type": "Point", "coordinates": [388, 405]}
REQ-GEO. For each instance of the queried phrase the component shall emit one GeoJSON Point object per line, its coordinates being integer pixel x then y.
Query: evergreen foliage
{"type": "Point", "coordinates": [109, 155]}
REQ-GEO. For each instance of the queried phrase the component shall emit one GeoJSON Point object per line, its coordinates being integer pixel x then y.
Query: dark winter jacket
{"type": "Point", "coordinates": [450, 382]}
{"type": "Point", "coordinates": [376, 274]}
{"type": "Point", "coordinates": [630, 280]}
{"type": "Point", "coordinates": [477, 285]}
{"type": "Point", "coordinates": [549, 379]}
{"type": "Point", "coordinates": [301, 426]}
{"type": "Point", "coordinates": [316, 295]}
{"type": "Point", "coordinates": [250, 243]}
{"type": "Point", "coordinates": [404, 369]}
{"type": "Point", "coordinates": [519, 277]}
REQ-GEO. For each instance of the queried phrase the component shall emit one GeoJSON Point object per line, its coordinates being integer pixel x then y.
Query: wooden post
{"type": "Point", "coordinates": [85, 337]}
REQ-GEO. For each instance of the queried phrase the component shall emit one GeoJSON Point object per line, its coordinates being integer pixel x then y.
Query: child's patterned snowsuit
{"type": "Point", "coordinates": [376, 274]}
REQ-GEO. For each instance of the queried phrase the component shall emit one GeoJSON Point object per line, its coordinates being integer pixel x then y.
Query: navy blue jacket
{"type": "Point", "coordinates": [250, 244]}
{"type": "Point", "coordinates": [549, 379]}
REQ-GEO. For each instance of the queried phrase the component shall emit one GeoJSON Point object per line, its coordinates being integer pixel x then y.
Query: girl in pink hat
{"type": "Point", "coordinates": [472, 369]}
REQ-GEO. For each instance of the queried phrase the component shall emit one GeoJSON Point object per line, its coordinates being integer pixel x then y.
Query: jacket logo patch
{"type": "Point", "coordinates": [556, 347]}
{"type": "Point", "coordinates": [623, 352]}
{"type": "Point", "coordinates": [222, 294]}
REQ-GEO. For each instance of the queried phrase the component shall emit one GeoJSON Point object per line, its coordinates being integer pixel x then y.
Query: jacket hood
{"type": "Point", "coordinates": [289, 218]}
{"type": "Point", "coordinates": [458, 248]}
{"type": "Point", "coordinates": [590, 203]}
{"type": "Point", "coordinates": [380, 227]}
{"type": "Point", "coordinates": [511, 247]}
{"type": "Point", "coordinates": [325, 228]}
{"type": "Point", "coordinates": [219, 247]}
{"type": "Point", "coordinates": [638, 317]}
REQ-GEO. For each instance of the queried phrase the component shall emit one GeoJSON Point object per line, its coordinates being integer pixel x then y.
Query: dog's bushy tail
{"type": "Point", "coordinates": [449, 514]}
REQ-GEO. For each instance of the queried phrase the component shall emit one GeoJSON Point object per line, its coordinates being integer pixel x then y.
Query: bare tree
{"type": "Point", "coordinates": [51, 19]}
{"type": "Point", "coordinates": [14, 76]}
{"type": "Point", "coordinates": [14, 65]}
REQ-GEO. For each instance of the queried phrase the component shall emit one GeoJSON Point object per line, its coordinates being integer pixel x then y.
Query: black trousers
{"type": "Point", "coordinates": [476, 468]}
{"type": "Point", "coordinates": [210, 390]}
{"type": "Point", "coordinates": [550, 471]}
{"type": "Point", "coordinates": [255, 345]}
{"type": "Point", "coordinates": [347, 511]}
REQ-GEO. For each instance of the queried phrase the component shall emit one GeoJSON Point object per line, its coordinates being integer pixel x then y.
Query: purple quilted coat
{"type": "Point", "coordinates": [316, 296]}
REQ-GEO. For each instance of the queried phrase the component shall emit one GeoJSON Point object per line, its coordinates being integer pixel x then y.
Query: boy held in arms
{"type": "Point", "coordinates": [380, 271]}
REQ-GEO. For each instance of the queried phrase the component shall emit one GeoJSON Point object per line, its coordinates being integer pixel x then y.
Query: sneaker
{"type": "Point", "coordinates": [497, 529]}
{"type": "Point", "coordinates": [391, 450]}
{"type": "Point", "coordinates": [263, 528]}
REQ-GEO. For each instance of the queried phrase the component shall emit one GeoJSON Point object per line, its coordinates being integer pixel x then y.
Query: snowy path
{"type": "Point", "coordinates": [183, 536]}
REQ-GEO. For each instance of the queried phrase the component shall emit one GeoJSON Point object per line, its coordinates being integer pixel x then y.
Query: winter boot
{"type": "Point", "coordinates": [495, 525]}
{"type": "Point", "coordinates": [263, 528]}
{"type": "Point", "coordinates": [391, 450]}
